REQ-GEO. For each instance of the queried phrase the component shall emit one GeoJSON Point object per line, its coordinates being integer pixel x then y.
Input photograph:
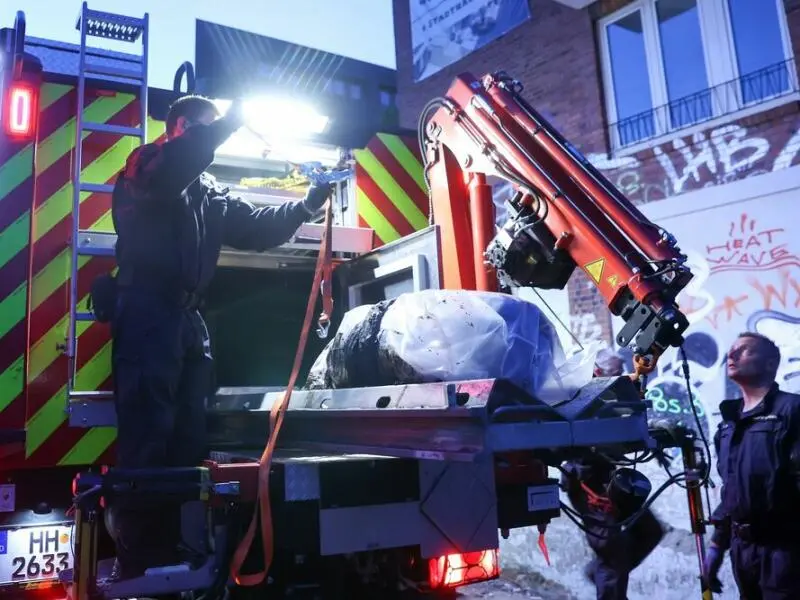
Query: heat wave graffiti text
{"type": "Point", "coordinates": [750, 247]}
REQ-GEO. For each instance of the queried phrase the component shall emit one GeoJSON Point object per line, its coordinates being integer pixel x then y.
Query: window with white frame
{"type": "Point", "coordinates": [670, 64]}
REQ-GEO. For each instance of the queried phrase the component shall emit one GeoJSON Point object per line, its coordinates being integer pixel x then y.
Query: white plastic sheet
{"type": "Point", "coordinates": [445, 335]}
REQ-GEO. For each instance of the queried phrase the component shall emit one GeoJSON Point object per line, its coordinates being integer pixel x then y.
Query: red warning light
{"type": "Point", "coordinates": [20, 110]}
{"type": "Point", "coordinates": [455, 570]}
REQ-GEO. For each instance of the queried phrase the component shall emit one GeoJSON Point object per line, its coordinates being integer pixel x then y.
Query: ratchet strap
{"type": "Point", "coordinates": [262, 515]}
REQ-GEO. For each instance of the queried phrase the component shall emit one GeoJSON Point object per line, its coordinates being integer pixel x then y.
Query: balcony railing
{"type": "Point", "coordinates": [724, 99]}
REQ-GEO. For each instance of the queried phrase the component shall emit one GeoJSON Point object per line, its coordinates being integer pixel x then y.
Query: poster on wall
{"type": "Point", "coordinates": [445, 31]}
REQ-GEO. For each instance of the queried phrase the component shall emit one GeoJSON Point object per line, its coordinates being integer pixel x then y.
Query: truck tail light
{"type": "Point", "coordinates": [21, 109]}
{"type": "Point", "coordinates": [453, 570]}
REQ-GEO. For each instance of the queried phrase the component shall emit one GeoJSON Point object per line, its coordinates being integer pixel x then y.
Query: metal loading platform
{"type": "Point", "coordinates": [434, 421]}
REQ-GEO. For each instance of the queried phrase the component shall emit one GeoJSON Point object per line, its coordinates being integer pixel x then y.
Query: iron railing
{"type": "Point", "coordinates": [729, 97]}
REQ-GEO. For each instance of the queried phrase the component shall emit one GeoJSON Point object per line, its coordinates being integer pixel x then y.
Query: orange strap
{"type": "Point", "coordinates": [263, 510]}
{"type": "Point", "coordinates": [326, 284]}
{"type": "Point", "coordinates": [595, 500]}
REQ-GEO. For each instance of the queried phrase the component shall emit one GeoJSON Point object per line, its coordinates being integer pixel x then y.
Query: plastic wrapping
{"type": "Point", "coordinates": [443, 335]}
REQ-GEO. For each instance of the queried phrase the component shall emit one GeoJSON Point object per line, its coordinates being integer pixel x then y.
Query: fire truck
{"type": "Point", "coordinates": [395, 486]}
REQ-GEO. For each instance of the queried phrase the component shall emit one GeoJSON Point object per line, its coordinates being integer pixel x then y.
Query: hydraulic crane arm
{"type": "Point", "coordinates": [564, 212]}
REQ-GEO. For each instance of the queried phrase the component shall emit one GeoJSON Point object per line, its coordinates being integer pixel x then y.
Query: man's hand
{"type": "Point", "coordinates": [316, 196]}
{"type": "Point", "coordinates": [714, 557]}
{"type": "Point", "coordinates": [235, 114]}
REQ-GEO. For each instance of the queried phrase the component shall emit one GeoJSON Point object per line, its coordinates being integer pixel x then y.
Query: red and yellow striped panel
{"type": "Point", "coordinates": [16, 199]}
{"type": "Point", "coordinates": [50, 441]}
{"type": "Point", "coordinates": [391, 195]}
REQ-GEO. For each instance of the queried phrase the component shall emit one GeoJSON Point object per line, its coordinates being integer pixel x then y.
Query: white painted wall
{"type": "Point", "coordinates": [743, 245]}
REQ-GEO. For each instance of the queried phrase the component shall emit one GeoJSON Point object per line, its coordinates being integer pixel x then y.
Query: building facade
{"type": "Point", "coordinates": [690, 107]}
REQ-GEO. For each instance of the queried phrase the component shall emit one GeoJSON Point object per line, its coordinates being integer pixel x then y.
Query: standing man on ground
{"type": "Point", "coordinates": [171, 220]}
{"type": "Point", "coordinates": [617, 553]}
{"type": "Point", "coordinates": [758, 459]}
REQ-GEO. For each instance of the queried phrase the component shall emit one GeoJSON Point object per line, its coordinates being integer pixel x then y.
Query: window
{"type": "Point", "coordinates": [387, 97]}
{"type": "Point", "coordinates": [670, 64]}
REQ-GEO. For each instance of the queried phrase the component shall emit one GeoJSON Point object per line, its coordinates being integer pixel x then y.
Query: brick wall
{"type": "Point", "coordinates": [554, 55]}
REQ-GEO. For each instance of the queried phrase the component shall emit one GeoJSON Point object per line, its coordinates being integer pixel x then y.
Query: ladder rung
{"type": "Point", "coordinates": [97, 188]}
{"type": "Point", "coordinates": [94, 243]}
{"type": "Point", "coordinates": [116, 129]}
{"type": "Point", "coordinates": [85, 316]}
{"type": "Point", "coordinates": [90, 395]}
{"type": "Point", "coordinates": [113, 71]}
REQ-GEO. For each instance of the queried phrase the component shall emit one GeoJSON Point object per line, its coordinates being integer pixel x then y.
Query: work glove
{"type": "Point", "coordinates": [711, 567]}
{"type": "Point", "coordinates": [315, 196]}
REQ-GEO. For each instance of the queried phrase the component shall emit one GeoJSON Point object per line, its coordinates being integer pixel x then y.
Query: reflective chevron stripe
{"type": "Point", "coordinates": [391, 195]}
{"type": "Point", "coordinates": [49, 440]}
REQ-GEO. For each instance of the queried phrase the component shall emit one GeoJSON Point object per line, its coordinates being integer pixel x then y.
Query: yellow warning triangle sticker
{"type": "Point", "coordinates": [595, 269]}
{"type": "Point", "coordinates": [612, 281]}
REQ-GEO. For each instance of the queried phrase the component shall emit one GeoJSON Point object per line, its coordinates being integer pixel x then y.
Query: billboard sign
{"type": "Point", "coordinates": [445, 31]}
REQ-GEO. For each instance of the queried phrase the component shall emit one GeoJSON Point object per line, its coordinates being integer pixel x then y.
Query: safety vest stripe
{"type": "Point", "coordinates": [409, 159]}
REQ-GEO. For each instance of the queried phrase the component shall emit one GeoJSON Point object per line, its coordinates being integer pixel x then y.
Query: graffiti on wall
{"type": "Point", "coordinates": [722, 155]}
{"type": "Point", "coordinates": [747, 278]}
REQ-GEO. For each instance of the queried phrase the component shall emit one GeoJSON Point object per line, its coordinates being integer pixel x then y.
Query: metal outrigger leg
{"type": "Point", "coordinates": [118, 68]}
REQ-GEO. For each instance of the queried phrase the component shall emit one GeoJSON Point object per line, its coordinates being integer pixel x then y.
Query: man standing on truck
{"type": "Point", "coordinates": [758, 460]}
{"type": "Point", "coordinates": [171, 220]}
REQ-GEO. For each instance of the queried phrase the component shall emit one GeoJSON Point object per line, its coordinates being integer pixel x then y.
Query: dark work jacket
{"type": "Point", "coordinates": [172, 218]}
{"type": "Point", "coordinates": [757, 459]}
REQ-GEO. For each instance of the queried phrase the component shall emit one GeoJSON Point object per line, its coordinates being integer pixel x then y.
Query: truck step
{"type": "Point", "coordinates": [90, 395]}
{"type": "Point", "coordinates": [113, 129]}
{"type": "Point", "coordinates": [96, 243]}
{"type": "Point", "coordinates": [155, 582]}
{"type": "Point", "coordinates": [97, 188]}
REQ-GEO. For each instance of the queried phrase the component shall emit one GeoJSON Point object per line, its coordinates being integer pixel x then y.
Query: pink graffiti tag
{"type": "Point", "coordinates": [750, 248]}
{"type": "Point", "coordinates": [767, 297]}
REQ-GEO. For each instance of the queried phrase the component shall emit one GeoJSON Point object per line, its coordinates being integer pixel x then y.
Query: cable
{"type": "Point", "coordinates": [706, 446]}
{"type": "Point", "coordinates": [612, 527]}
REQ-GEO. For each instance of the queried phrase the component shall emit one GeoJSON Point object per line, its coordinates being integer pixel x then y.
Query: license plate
{"type": "Point", "coordinates": [34, 553]}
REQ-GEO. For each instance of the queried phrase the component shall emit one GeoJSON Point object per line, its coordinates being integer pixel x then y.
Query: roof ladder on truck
{"type": "Point", "coordinates": [104, 65]}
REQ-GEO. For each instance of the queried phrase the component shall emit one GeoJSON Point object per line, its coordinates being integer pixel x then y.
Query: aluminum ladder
{"type": "Point", "coordinates": [98, 64]}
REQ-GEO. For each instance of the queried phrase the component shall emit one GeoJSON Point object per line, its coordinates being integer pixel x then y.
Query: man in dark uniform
{"type": "Point", "coordinates": [758, 459]}
{"type": "Point", "coordinates": [171, 220]}
{"type": "Point", "coordinates": [617, 553]}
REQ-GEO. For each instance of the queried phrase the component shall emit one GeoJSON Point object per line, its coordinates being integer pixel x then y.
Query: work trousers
{"type": "Point", "coordinates": [162, 369]}
{"type": "Point", "coordinates": [620, 553]}
{"type": "Point", "coordinates": [766, 572]}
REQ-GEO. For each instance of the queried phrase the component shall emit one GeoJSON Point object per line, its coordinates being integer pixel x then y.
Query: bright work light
{"type": "Point", "coordinates": [280, 118]}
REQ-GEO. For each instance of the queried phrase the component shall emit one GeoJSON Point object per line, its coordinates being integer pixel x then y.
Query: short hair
{"type": "Point", "coordinates": [771, 348]}
{"type": "Point", "coordinates": [191, 107]}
